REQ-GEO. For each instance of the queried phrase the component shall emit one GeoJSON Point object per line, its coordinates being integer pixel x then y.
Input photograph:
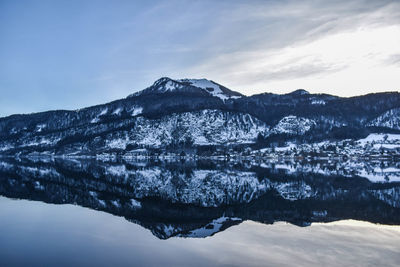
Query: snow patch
{"type": "Point", "coordinates": [211, 228]}
{"type": "Point", "coordinates": [40, 127]}
{"type": "Point", "coordinates": [135, 204]}
{"type": "Point", "coordinates": [117, 143]}
{"type": "Point", "coordinates": [38, 186]}
{"type": "Point", "coordinates": [116, 203]}
{"type": "Point", "coordinates": [117, 111]}
{"type": "Point", "coordinates": [5, 147]}
{"type": "Point", "coordinates": [318, 102]}
{"type": "Point", "coordinates": [209, 86]}
{"type": "Point", "coordinates": [103, 112]}
{"type": "Point", "coordinates": [95, 120]}
{"type": "Point", "coordinates": [136, 111]}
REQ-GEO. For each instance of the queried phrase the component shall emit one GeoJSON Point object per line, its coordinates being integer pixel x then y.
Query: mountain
{"type": "Point", "coordinates": [192, 113]}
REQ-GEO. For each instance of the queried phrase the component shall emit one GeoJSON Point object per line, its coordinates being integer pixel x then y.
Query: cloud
{"type": "Point", "coordinates": [297, 71]}
{"type": "Point", "coordinates": [308, 40]}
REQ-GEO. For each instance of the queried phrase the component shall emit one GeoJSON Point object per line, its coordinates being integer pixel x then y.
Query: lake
{"type": "Point", "coordinates": [69, 212]}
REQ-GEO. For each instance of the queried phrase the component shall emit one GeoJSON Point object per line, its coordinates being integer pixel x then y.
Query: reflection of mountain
{"type": "Point", "coordinates": [198, 199]}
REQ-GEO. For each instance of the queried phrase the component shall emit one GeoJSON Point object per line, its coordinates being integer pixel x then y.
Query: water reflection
{"type": "Point", "coordinates": [199, 199]}
{"type": "Point", "coordinates": [38, 234]}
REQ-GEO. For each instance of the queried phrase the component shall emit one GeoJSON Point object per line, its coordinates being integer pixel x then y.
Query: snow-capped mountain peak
{"type": "Point", "coordinates": [165, 85]}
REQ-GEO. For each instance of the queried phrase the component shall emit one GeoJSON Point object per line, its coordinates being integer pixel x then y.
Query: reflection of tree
{"type": "Point", "coordinates": [181, 136]}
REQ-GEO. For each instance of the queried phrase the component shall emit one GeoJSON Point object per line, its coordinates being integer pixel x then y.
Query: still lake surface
{"type": "Point", "coordinates": [203, 213]}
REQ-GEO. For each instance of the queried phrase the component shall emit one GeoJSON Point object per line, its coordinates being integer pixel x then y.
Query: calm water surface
{"type": "Point", "coordinates": [86, 213]}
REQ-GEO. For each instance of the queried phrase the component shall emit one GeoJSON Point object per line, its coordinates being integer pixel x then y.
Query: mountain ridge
{"type": "Point", "coordinates": [296, 92]}
{"type": "Point", "coordinates": [199, 112]}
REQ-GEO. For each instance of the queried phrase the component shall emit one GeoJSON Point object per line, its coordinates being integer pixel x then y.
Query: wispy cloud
{"type": "Point", "coordinates": [311, 40]}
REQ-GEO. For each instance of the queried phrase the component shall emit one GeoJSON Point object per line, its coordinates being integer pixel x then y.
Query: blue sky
{"type": "Point", "coordinates": [72, 54]}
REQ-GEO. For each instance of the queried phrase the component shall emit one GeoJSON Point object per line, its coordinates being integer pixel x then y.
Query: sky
{"type": "Point", "coordinates": [57, 54]}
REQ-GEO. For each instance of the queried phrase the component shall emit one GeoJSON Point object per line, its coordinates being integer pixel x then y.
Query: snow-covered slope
{"type": "Point", "coordinates": [389, 119]}
{"type": "Point", "coordinates": [212, 88]}
{"type": "Point", "coordinates": [293, 125]}
{"type": "Point", "coordinates": [380, 138]}
{"type": "Point", "coordinates": [207, 127]}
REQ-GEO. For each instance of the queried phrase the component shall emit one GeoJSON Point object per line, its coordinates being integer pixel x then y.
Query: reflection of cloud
{"type": "Point", "coordinates": [281, 244]}
{"type": "Point", "coordinates": [85, 232]}
{"type": "Point", "coordinates": [393, 59]}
